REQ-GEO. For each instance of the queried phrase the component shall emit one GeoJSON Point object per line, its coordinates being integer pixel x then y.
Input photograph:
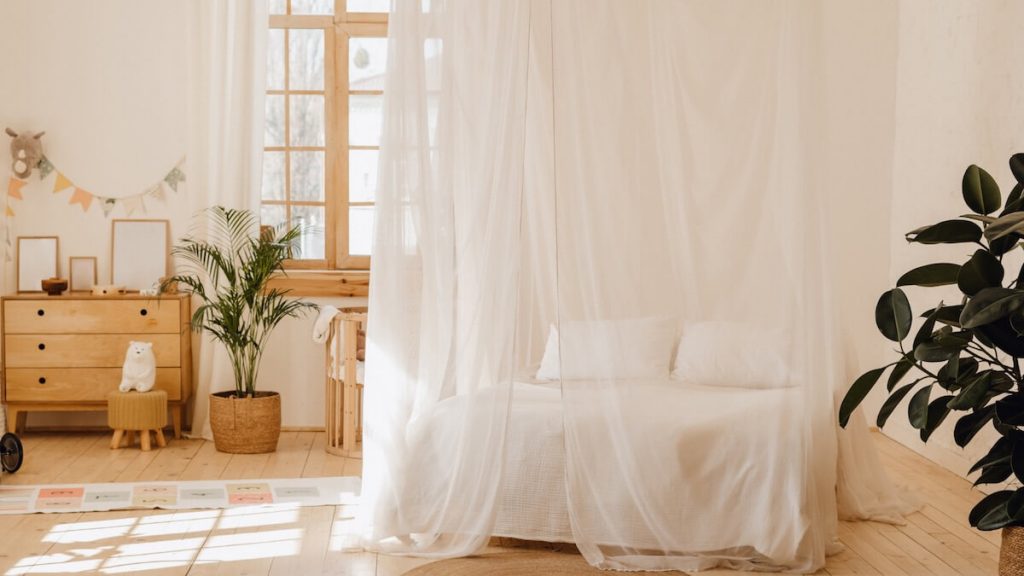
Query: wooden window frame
{"type": "Point", "coordinates": [339, 273]}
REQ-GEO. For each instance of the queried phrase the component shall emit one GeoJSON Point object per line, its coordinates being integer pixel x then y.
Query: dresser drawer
{"type": "Point", "coordinates": [93, 351]}
{"type": "Point", "coordinates": [136, 316]}
{"type": "Point", "coordinates": [78, 384]}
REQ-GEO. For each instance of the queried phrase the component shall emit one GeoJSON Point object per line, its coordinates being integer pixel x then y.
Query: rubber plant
{"type": "Point", "coordinates": [228, 272]}
{"type": "Point", "coordinates": [964, 360]}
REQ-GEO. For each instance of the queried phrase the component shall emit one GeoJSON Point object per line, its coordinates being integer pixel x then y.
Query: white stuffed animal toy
{"type": "Point", "coordinates": [139, 367]}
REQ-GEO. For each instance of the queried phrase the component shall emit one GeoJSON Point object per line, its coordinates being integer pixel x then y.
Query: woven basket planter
{"type": "Point", "coordinates": [1011, 553]}
{"type": "Point", "coordinates": [245, 425]}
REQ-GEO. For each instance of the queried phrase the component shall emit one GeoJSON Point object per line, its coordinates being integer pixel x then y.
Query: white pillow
{"type": "Point", "coordinates": [609, 349]}
{"type": "Point", "coordinates": [733, 354]}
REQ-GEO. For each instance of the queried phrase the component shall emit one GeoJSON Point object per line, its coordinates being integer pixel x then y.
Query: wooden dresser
{"type": "Point", "coordinates": [65, 353]}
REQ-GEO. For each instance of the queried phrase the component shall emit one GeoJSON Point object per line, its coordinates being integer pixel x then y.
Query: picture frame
{"type": "Point", "coordinates": [82, 274]}
{"type": "Point", "coordinates": [139, 252]}
{"type": "Point", "coordinates": [38, 258]}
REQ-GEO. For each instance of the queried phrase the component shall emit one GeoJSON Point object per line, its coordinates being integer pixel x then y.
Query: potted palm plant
{"type": "Point", "coordinates": [964, 359]}
{"type": "Point", "coordinates": [228, 271]}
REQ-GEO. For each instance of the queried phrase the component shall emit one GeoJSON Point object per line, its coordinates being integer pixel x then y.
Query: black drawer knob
{"type": "Point", "coordinates": [42, 380]}
{"type": "Point", "coordinates": [41, 312]}
{"type": "Point", "coordinates": [42, 346]}
{"type": "Point", "coordinates": [143, 312]}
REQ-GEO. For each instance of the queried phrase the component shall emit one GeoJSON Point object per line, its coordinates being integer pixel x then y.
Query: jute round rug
{"type": "Point", "coordinates": [531, 562]}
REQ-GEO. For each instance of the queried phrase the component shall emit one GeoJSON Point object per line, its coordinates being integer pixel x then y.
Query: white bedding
{"type": "Point", "coordinates": [715, 450]}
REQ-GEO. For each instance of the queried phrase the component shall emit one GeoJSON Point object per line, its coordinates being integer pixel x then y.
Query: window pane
{"type": "Point", "coordinates": [364, 119]}
{"type": "Point", "coordinates": [367, 5]}
{"type": "Point", "coordinates": [312, 6]}
{"type": "Point", "coordinates": [275, 59]}
{"type": "Point", "coordinates": [272, 215]}
{"type": "Point", "coordinates": [308, 176]}
{"type": "Point", "coordinates": [360, 230]}
{"type": "Point", "coordinates": [273, 176]}
{"type": "Point", "coordinates": [277, 6]}
{"type": "Point", "coordinates": [367, 58]}
{"type": "Point", "coordinates": [305, 59]}
{"type": "Point", "coordinates": [273, 130]}
{"type": "Point", "coordinates": [311, 220]}
{"type": "Point", "coordinates": [307, 120]}
{"type": "Point", "coordinates": [362, 175]}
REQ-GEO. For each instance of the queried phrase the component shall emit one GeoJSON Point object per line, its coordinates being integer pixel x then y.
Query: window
{"type": "Point", "coordinates": [325, 81]}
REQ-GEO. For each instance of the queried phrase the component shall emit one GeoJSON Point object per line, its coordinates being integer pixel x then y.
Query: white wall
{"type": "Point", "coordinates": [106, 80]}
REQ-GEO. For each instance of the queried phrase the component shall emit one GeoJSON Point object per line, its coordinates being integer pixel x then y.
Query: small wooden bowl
{"type": "Point", "coordinates": [54, 286]}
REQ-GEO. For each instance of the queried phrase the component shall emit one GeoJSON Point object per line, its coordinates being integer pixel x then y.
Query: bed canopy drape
{"type": "Point", "coordinates": [600, 301]}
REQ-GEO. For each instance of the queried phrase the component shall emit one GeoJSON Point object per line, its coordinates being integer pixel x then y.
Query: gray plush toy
{"type": "Point", "coordinates": [26, 151]}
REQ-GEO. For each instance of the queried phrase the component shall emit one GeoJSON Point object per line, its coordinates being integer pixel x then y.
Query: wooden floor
{"type": "Point", "coordinates": [935, 541]}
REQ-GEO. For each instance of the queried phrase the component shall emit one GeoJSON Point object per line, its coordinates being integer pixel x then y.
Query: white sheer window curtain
{"type": "Point", "coordinates": [227, 76]}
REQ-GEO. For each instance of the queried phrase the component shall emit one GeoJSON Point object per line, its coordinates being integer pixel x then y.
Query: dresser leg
{"type": "Point", "coordinates": [15, 420]}
{"type": "Point", "coordinates": [176, 418]}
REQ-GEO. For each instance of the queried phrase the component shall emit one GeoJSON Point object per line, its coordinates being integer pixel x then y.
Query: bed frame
{"type": "Point", "coordinates": [344, 393]}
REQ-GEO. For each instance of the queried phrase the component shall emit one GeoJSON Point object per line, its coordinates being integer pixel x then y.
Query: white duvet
{"type": "Point", "coordinates": [723, 467]}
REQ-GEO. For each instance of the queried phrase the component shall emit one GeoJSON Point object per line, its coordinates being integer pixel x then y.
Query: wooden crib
{"type": "Point", "coordinates": [344, 393]}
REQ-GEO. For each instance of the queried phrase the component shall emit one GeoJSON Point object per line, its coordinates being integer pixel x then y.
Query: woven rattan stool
{"type": "Point", "coordinates": [142, 411]}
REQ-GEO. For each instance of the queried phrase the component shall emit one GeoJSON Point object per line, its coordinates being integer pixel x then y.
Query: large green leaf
{"type": "Point", "coordinates": [1014, 200]}
{"type": "Point", "coordinates": [918, 408]}
{"type": "Point", "coordinates": [968, 426]}
{"type": "Point", "coordinates": [1012, 223]}
{"type": "Point", "coordinates": [982, 271]}
{"type": "Point", "coordinates": [949, 315]}
{"type": "Point", "coordinates": [856, 394]}
{"type": "Point", "coordinates": [1010, 410]}
{"type": "Point", "coordinates": [995, 474]}
{"type": "Point", "coordinates": [899, 371]}
{"type": "Point", "coordinates": [981, 193]}
{"type": "Point", "coordinates": [941, 274]}
{"type": "Point", "coordinates": [988, 305]}
{"type": "Point", "coordinates": [1001, 334]}
{"type": "Point", "coordinates": [891, 403]}
{"type": "Point", "coordinates": [1015, 505]}
{"type": "Point", "coordinates": [938, 409]}
{"type": "Point", "coordinates": [998, 454]}
{"type": "Point", "coordinates": [991, 512]}
{"type": "Point", "coordinates": [1017, 166]}
{"type": "Point", "coordinates": [946, 232]}
{"type": "Point", "coordinates": [1017, 461]}
{"type": "Point", "coordinates": [893, 315]}
{"type": "Point", "coordinates": [973, 392]}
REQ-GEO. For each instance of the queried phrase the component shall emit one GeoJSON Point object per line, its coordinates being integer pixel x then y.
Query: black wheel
{"type": "Point", "coordinates": [11, 453]}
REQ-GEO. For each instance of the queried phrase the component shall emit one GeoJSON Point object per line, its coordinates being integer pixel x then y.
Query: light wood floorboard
{"type": "Point", "coordinates": [934, 541]}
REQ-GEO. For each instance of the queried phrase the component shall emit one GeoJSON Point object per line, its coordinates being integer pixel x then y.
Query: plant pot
{"type": "Point", "coordinates": [245, 425]}
{"type": "Point", "coordinates": [1011, 553]}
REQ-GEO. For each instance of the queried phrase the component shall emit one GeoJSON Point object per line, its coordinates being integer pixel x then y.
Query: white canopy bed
{"type": "Point", "coordinates": [600, 308]}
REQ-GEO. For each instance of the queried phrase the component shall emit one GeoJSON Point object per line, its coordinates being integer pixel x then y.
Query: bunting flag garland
{"type": "Point", "coordinates": [134, 203]}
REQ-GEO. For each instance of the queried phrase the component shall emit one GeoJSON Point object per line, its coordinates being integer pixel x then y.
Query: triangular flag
{"type": "Point", "coordinates": [156, 192]}
{"type": "Point", "coordinates": [174, 177]}
{"type": "Point", "coordinates": [14, 187]}
{"type": "Point", "coordinates": [45, 167]}
{"type": "Point", "coordinates": [108, 206]}
{"type": "Point", "coordinates": [61, 183]}
{"type": "Point", "coordinates": [10, 212]}
{"type": "Point", "coordinates": [80, 197]}
{"type": "Point", "coordinates": [132, 203]}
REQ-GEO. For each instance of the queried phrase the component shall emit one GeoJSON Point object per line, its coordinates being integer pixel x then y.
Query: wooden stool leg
{"type": "Point", "coordinates": [130, 435]}
{"type": "Point", "coordinates": [144, 440]}
{"type": "Point", "coordinates": [160, 441]}
{"type": "Point", "coordinates": [115, 442]}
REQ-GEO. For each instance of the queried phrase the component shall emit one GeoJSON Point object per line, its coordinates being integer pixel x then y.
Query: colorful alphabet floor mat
{"type": "Point", "coordinates": [183, 495]}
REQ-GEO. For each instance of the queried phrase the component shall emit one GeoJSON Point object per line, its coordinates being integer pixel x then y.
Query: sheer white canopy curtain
{"type": "Point", "coordinates": [600, 306]}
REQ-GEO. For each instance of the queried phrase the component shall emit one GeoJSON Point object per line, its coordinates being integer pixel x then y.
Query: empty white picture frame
{"type": "Point", "coordinates": [82, 273]}
{"type": "Point", "coordinates": [139, 252]}
{"type": "Point", "coordinates": [37, 261]}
